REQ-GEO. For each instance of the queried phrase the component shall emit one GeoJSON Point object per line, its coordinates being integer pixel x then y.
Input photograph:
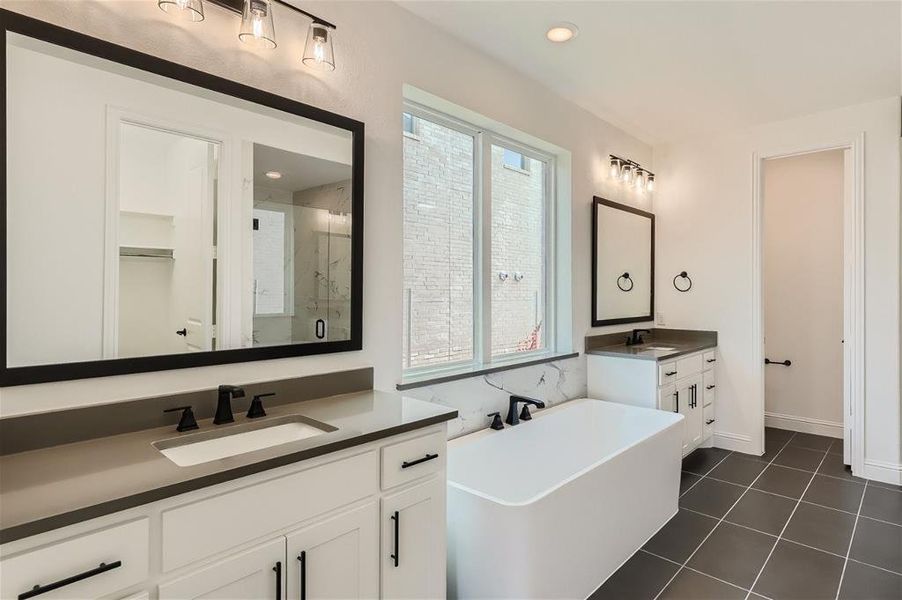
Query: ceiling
{"type": "Point", "coordinates": [299, 171]}
{"type": "Point", "coordinates": [670, 70]}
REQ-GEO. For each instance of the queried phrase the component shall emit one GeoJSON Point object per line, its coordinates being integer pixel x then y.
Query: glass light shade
{"type": "Point", "coordinates": [650, 183]}
{"type": "Point", "coordinates": [627, 173]}
{"type": "Point", "coordinates": [615, 168]}
{"type": "Point", "coordinates": [318, 49]}
{"type": "Point", "coordinates": [256, 24]}
{"type": "Point", "coordinates": [639, 182]}
{"type": "Point", "coordinates": [186, 10]}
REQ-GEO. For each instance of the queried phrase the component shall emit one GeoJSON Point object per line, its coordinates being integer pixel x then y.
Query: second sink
{"type": "Point", "coordinates": [198, 448]}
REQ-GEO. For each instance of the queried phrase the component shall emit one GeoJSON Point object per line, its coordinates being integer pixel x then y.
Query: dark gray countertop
{"type": "Point", "coordinates": [661, 344]}
{"type": "Point", "coordinates": [52, 487]}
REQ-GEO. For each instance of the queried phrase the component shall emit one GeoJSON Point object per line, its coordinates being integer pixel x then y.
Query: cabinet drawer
{"type": "Point", "coordinates": [205, 527]}
{"type": "Point", "coordinates": [709, 358]}
{"type": "Point", "coordinates": [689, 365]}
{"type": "Point", "coordinates": [122, 549]}
{"type": "Point", "coordinates": [708, 417]}
{"type": "Point", "coordinates": [667, 373]}
{"type": "Point", "coordinates": [412, 459]}
{"type": "Point", "coordinates": [710, 386]}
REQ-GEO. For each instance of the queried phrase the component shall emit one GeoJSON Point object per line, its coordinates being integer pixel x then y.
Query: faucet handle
{"type": "Point", "coordinates": [497, 424]}
{"type": "Point", "coordinates": [256, 408]}
{"type": "Point", "coordinates": [187, 422]}
{"type": "Point", "coordinates": [524, 413]}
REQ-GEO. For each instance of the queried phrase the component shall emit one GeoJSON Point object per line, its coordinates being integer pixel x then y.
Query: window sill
{"type": "Point", "coordinates": [412, 136]}
{"type": "Point", "coordinates": [515, 169]}
{"type": "Point", "coordinates": [435, 378]}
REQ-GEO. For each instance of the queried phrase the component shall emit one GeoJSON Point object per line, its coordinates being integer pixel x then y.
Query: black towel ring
{"type": "Point", "coordinates": [685, 276]}
{"type": "Point", "coordinates": [625, 276]}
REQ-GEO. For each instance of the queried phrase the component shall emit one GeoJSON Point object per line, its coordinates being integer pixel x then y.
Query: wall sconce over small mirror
{"type": "Point", "coordinates": [623, 267]}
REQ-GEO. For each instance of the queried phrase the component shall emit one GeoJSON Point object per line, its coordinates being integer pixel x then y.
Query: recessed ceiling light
{"type": "Point", "coordinates": [274, 175]}
{"type": "Point", "coordinates": [562, 32]}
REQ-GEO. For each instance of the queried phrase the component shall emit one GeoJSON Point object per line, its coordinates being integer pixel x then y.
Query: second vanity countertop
{"type": "Point", "coordinates": [48, 488]}
{"type": "Point", "coordinates": [678, 342]}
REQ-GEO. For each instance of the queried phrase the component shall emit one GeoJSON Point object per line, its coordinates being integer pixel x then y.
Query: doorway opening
{"type": "Point", "coordinates": [809, 280]}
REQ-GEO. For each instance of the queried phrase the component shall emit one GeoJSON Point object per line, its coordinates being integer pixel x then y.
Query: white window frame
{"type": "Point", "coordinates": [483, 139]}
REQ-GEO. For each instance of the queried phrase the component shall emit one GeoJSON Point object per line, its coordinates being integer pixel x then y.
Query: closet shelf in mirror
{"type": "Point", "coordinates": [140, 252]}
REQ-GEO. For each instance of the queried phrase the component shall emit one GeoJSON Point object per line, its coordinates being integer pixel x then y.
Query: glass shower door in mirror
{"type": "Point", "coordinates": [301, 248]}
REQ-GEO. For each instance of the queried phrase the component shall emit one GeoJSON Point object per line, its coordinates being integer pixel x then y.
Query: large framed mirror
{"type": "Point", "coordinates": [623, 264]}
{"type": "Point", "coordinates": [157, 217]}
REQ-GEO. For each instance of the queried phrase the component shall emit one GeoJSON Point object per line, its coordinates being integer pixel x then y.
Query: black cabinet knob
{"type": "Point", "coordinates": [182, 332]}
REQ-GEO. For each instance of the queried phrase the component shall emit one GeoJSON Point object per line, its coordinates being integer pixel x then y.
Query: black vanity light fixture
{"type": "Point", "coordinates": [632, 173]}
{"type": "Point", "coordinates": [258, 27]}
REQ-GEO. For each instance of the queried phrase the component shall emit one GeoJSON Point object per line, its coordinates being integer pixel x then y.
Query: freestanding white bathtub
{"type": "Point", "coordinates": [552, 507]}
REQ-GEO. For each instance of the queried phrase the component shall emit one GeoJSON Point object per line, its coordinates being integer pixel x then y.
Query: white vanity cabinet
{"type": "Point", "coordinates": [685, 384]}
{"type": "Point", "coordinates": [366, 522]}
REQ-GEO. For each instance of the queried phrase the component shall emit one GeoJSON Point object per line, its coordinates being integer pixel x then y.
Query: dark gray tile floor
{"type": "Point", "coordinates": [790, 525]}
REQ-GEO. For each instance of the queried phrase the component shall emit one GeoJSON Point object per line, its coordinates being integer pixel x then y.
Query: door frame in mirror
{"type": "Point", "coordinates": [596, 321]}
{"type": "Point", "coordinates": [66, 38]}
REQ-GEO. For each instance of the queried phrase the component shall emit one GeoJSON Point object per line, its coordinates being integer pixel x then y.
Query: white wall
{"type": "Point", "coordinates": [803, 287]}
{"type": "Point", "coordinates": [705, 226]}
{"type": "Point", "coordinates": [379, 47]}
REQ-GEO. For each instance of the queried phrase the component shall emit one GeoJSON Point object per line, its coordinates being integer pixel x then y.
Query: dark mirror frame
{"type": "Point", "coordinates": [596, 322]}
{"type": "Point", "coordinates": [10, 376]}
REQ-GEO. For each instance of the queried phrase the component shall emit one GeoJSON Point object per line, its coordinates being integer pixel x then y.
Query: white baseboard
{"type": "Point", "coordinates": [733, 441]}
{"type": "Point", "coordinates": [803, 424]}
{"type": "Point", "coordinates": [886, 472]}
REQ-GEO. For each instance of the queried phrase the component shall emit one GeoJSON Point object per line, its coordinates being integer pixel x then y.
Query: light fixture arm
{"type": "Point", "coordinates": [237, 5]}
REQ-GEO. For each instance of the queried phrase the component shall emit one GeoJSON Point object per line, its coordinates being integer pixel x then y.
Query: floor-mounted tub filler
{"type": "Point", "coordinates": [552, 507]}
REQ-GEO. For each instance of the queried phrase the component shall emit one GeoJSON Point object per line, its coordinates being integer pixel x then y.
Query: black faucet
{"type": "Point", "coordinates": [512, 417]}
{"type": "Point", "coordinates": [635, 337]}
{"type": "Point", "coordinates": [224, 403]}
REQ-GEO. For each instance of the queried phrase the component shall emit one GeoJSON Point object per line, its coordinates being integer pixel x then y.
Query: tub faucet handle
{"type": "Point", "coordinates": [524, 413]}
{"type": "Point", "coordinates": [496, 421]}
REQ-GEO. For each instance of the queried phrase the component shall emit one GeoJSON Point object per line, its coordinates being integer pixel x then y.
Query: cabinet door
{"type": "Point", "coordinates": [667, 398]}
{"type": "Point", "coordinates": [413, 542]}
{"type": "Point", "coordinates": [336, 558]}
{"type": "Point", "coordinates": [690, 400]}
{"type": "Point", "coordinates": [255, 574]}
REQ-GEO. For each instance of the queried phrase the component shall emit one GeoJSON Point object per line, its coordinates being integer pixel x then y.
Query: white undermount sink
{"type": "Point", "coordinates": [658, 348]}
{"type": "Point", "coordinates": [204, 447]}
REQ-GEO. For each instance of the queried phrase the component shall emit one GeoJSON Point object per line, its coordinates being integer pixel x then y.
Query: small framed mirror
{"type": "Point", "coordinates": [158, 217]}
{"type": "Point", "coordinates": [623, 264]}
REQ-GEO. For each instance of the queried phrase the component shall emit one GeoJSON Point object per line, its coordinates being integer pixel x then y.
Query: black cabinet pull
{"type": "Point", "coordinates": [182, 332]}
{"type": "Point", "coordinates": [693, 390]}
{"type": "Point", "coordinates": [670, 374]}
{"type": "Point", "coordinates": [710, 387]}
{"type": "Point", "coordinates": [278, 571]}
{"type": "Point", "coordinates": [396, 517]}
{"type": "Point", "coordinates": [785, 363]}
{"type": "Point", "coordinates": [428, 457]}
{"type": "Point", "coordinates": [302, 558]}
{"type": "Point", "coordinates": [320, 329]}
{"type": "Point", "coordinates": [709, 421]}
{"type": "Point", "coordinates": [711, 360]}
{"type": "Point", "coordinates": [43, 589]}
{"type": "Point", "coordinates": [676, 396]}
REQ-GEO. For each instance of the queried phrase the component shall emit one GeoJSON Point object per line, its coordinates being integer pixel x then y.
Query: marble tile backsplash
{"type": "Point", "coordinates": [553, 383]}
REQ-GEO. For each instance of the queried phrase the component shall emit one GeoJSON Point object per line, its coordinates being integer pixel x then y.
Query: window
{"type": "Point", "coordinates": [477, 248]}
{"type": "Point", "coordinates": [409, 123]}
{"type": "Point", "coordinates": [514, 160]}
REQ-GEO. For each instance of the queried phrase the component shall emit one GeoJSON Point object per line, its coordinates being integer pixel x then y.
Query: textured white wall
{"type": "Point", "coordinates": [705, 215]}
{"type": "Point", "coordinates": [379, 47]}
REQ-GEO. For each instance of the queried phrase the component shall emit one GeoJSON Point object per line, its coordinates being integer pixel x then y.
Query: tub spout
{"type": "Point", "coordinates": [512, 417]}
